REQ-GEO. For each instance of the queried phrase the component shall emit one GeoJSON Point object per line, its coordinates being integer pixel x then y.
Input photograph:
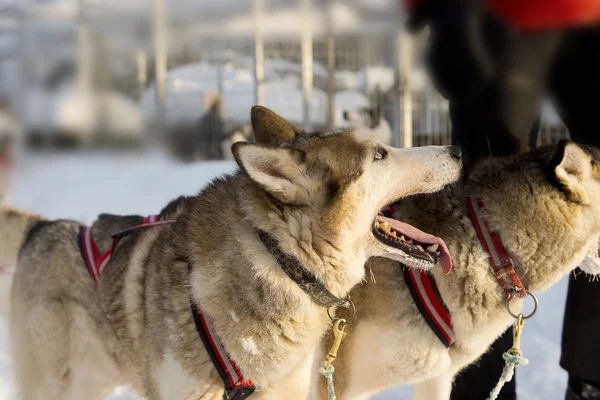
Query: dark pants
{"type": "Point", "coordinates": [494, 85]}
{"type": "Point", "coordinates": [575, 85]}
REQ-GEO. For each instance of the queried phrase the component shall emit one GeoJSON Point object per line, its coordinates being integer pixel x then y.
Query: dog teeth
{"type": "Point", "coordinates": [393, 234]}
{"type": "Point", "coordinates": [402, 238]}
{"type": "Point", "coordinates": [433, 248]}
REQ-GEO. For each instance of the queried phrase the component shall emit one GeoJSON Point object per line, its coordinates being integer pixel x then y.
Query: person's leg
{"type": "Point", "coordinates": [499, 122]}
{"type": "Point", "coordinates": [575, 84]}
{"type": "Point", "coordinates": [477, 380]}
{"type": "Point", "coordinates": [523, 78]}
{"type": "Point", "coordinates": [580, 344]}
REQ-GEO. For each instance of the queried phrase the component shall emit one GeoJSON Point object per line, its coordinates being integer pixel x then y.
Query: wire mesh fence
{"type": "Point", "coordinates": [211, 80]}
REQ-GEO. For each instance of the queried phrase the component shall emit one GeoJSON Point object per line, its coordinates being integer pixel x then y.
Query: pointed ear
{"type": "Point", "coordinates": [572, 167]}
{"type": "Point", "coordinates": [270, 128]}
{"type": "Point", "coordinates": [278, 171]}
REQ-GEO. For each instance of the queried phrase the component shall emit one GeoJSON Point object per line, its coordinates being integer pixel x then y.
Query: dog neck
{"type": "Point", "coordinates": [475, 299]}
{"type": "Point", "coordinates": [299, 236]}
{"type": "Point", "coordinates": [297, 272]}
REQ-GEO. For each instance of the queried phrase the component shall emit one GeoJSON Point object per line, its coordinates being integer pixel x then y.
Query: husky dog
{"type": "Point", "coordinates": [545, 207]}
{"type": "Point", "coordinates": [316, 196]}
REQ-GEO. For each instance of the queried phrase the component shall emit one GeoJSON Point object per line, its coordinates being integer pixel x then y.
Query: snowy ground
{"type": "Point", "coordinates": [80, 186]}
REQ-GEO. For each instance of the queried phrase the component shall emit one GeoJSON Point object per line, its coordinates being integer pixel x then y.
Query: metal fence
{"type": "Point", "coordinates": [191, 78]}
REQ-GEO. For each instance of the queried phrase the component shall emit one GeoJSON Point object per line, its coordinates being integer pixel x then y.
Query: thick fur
{"type": "Point", "coordinates": [316, 193]}
{"type": "Point", "coordinates": [545, 206]}
{"type": "Point", "coordinates": [14, 226]}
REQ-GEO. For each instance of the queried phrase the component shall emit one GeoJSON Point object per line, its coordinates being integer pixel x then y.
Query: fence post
{"type": "Point", "coordinates": [404, 52]}
{"type": "Point", "coordinates": [259, 53]}
{"type": "Point", "coordinates": [84, 60]}
{"type": "Point", "coordinates": [330, 66]}
{"type": "Point", "coordinates": [159, 30]}
{"type": "Point", "coordinates": [141, 59]}
{"type": "Point", "coordinates": [307, 62]}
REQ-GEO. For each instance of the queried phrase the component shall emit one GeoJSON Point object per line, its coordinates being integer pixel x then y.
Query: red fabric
{"type": "Point", "coordinates": [410, 6]}
{"type": "Point", "coordinates": [546, 14]}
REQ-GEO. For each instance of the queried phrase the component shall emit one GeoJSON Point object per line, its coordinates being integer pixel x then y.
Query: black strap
{"type": "Point", "coordinates": [231, 393]}
{"type": "Point", "coordinates": [422, 310]}
{"type": "Point", "coordinates": [304, 278]}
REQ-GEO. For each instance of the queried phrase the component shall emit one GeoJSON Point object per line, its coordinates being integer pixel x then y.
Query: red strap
{"type": "Point", "coordinates": [500, 263]}
{"type": "Point", "coordinates": [97, 263]}
{"type": "Point", "coordinates": [430, 304]}
{"type": "Point", "coordinates": [90, 252]}
{"type": "Point", "coordinates": [232, 371]}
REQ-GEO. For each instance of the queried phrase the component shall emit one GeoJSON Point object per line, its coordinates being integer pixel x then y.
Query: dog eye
{"type": "Point", "coordinates": [380, 154]}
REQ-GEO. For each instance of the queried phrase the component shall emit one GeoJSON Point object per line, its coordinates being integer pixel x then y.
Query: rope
{"type": "Point", "coordinates": [327, 372]}
{"type": "Point", "coordinates": [512, 361]}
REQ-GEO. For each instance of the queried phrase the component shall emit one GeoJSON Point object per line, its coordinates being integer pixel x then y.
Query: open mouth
{"type": "Point", "coordinates": [418, 249]}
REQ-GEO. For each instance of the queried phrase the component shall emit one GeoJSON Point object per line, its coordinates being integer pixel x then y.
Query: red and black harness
{"type": "Point", "coordinates": [424, 290]}
{"type": "Point", "coordinates": [236, 386]}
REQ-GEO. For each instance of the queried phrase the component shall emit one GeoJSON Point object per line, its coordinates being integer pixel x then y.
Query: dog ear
{"type": "Point", "coordinates": [278, 171]}
{"type": "Point", "coordinates": [270, 128]}
{"type": "Point", "coordinates": [571, 168]}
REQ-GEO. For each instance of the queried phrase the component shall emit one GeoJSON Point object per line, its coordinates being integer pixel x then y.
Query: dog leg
{"type": "Point", "coordinates": [434, 389]}
{"type": "Point", "coordinates": [40, 345]}
{"type": "Point", "coordinates": [54, 356]}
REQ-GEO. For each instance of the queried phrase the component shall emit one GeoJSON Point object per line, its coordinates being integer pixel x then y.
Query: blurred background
{"type": "Point", "coordinates": [119, 106]}
{"type": "Point", "coordinates": [184, 73]}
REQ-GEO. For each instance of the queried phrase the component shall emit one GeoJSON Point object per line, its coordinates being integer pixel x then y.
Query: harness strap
{"type": "Point", "coordinates": [430, 304]}
{"type": "Point", "coordinates": [236, 387]}
{"type": "Point", "coordinates": [500, 263]}
{"type": "Point", "coordinates": [303, 277]}
{"type": "Point", "coordinates": [97, 262]}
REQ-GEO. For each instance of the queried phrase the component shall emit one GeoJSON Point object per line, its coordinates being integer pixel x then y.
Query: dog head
{"type": "Point", "coordinates": [545, 206]}
{"type": "Point", "coordinates": [329, 188]}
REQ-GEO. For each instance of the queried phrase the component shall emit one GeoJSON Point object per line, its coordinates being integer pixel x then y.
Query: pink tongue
{"type": "Point", "coordinates": [413, 233]}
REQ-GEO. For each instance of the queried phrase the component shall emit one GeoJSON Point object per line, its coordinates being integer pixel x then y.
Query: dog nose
{"type": "Point", "coordinates": [456, 152]}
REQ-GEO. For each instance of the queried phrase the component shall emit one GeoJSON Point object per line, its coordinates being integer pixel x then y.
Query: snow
{"type": "Point", "coordinates": [82, 185]}
{"type": "Point", "coordinates": [79, 112]}
{"type": "Point", "coordinates": [370, 79]}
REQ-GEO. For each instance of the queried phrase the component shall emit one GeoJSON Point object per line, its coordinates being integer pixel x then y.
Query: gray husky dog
{"type": "Point", "coordinates": [307, 197]}
{"type": "Point", "coordinates": [545, 208]}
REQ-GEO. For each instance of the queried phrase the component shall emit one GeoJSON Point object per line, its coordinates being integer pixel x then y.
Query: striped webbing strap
{"type": "Point", "coordinates": [430, 304]}
{"type": "Point", "coordinates": [500, 263]}
{"type": "Point", "coordinates": [97, 262]}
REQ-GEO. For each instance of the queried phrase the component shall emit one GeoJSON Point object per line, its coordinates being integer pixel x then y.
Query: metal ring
{"type": "Point", "coordinates": [535, 307]}
{"type": "Point", "coordinates": [348, 304]}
